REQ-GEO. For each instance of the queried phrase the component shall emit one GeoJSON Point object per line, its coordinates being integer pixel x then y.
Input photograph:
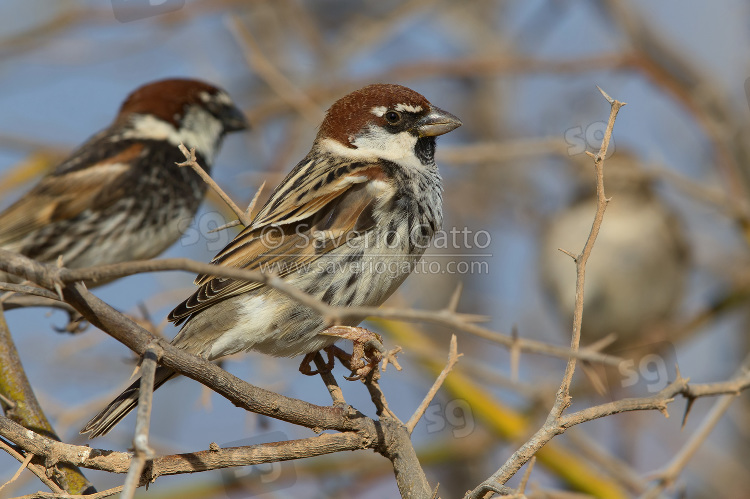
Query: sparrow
{"type": "Point", "coordinates": [120, 196]}
{"type": "Point", "coordinates": [347, 226]}
{"type": "Point", "coordinates": [638, 269]}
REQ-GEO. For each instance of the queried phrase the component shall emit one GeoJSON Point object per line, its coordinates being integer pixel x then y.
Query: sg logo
{"type": "Point", "coordinates": [643, 369]}
{"type": "Point", "coordinates": [580, 139]}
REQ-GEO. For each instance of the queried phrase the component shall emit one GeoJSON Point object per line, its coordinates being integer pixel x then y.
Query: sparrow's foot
{"type": "Point", "coordinates": [305, 366]}
{"type": "Point", "coordinates": [367, 351]}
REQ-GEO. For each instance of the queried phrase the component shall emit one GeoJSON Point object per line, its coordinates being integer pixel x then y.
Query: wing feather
{"type": "Point", "coordinates": [65, 195]}
{"type": "Point", "coordinates": [286, 234]}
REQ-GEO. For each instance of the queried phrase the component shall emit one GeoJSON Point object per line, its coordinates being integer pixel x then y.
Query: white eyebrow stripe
{"type": "Point", "coordinates": [408, 108]}
{"type": "Point", "coordinates": [379, 110]}
{"type": "Point", "coordinates": [220, 97]}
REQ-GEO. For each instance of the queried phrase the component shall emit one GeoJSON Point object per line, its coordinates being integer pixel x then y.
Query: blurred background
{"type": "Point", "coordinates": [670, 278]}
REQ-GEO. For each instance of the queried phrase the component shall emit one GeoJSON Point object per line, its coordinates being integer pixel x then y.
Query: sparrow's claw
{"type": "Point", "coordinates": [367, 351]}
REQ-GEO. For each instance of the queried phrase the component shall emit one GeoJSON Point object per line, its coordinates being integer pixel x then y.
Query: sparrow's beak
{"type": "Point", "coordinates": [437, 123]}
{"type": "Point", "coordinates": [233, 119]}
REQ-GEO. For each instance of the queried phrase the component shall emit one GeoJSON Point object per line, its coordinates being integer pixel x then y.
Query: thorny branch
{"type": "Point", "coordinates": [562, 399]}
{"type": "Point", "coordinates": [553, 426]}
{"type": "Point", "coordinates": [388, 438]}
{"type": "Point", "coordinates": [47, 276]}
{"type": "Point", "coordinates": [733, 388]}
{"type": "Point", "coordinates": [359, 432]}
{"type": "Point", "coordinates": [205, 460]}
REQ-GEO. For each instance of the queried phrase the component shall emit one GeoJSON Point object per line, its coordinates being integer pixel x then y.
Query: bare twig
{"type": "Point", "coordinates": [378, 397]}
{"type": "Point", "coordinates": [499, 152]}
{"type": "Point", "coordinates": [248, 212]}
{"type": "Point", "coordinates": [553, 424]}
{"type": "Point", "coordinates": [23, 466]}
{"type": "Point", "coordinates": [47, 276]}
{"type": "Point", "coordinates": [452, 359]}
{"type": "Point", "coordinates": [337, 396]}
{"type": "Point", "coordinates": [143, 452]}
{"type": "Point", "coordinates": [678, 463]}
{"type": "Point", "coordinates": [526, 475]}
{"type": "Point", "coordinates": [562, 400]}
{"type": "Point", "coordinates": [192, 162]}
{"type": "Point", "coordinates": [659, 402]}
{"type": "Point", "coordinates": [205, 460]}
{"type": "Point", "coordinates": [38, 470]}
{"type": "Point", "coordinates": [515, 354]}
{"type": "Point", "coordinates": [275, 79]}
{"type": "Point", "coordinates": [31, 296]}
{"type": "Point", "coordinates": [389, 436]}
{"type": "Point", "coordinates": [27, 290]}
{"type": "Point", "coordinates": [599, 457]}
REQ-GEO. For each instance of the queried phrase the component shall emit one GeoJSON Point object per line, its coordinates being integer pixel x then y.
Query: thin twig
{"type": "Point", "coordinates": [337, 396]}
{"type": "Point", "coordinates": [189, 462]}
{"type": "Point", "coordinates": [562, 400]}
{"type": "Point", "coordinates": [452, 359]}
{"type": "Point", "coordinates": [192, 162]}
{"type": "Point", "coordinates": [526, 475]}
{"type": "Point", "coordinates": [143, 452]}
{"type": "Point", "coordinates": [248, 212]}
{"type": "Point", "coordinates": [515, 354]}
{"type": "Point", "coordinates": [27, 290]}
{"type": "Point", "coordinates": [615, 467]}
{"type": "Point", "coordinates": [46, 275]}
{"type": "Point", "coordinates": [553, 424]}
{"type": "Point", "coordinates": [39, 471]}
{"type": "Point", "coordinates": [680, 460]}
{"type": "Point", "coordinates": [23, 466]}
{"type": "Point", "coordinates": [378, 397]}
{"type": "Point", "coordinates": [275, 79]}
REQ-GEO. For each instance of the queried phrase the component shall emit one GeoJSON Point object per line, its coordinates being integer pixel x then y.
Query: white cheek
{"type": "Point", "coordinates": [202, 131]}
{"type": "Point", "coordinates": [386, 145]}
{"type": "Point", "coordinates": [396, 147]}
{"type": "Point", "coordinates": [199, 130]}
{"type": "Point", "coordinates": [376, 144]}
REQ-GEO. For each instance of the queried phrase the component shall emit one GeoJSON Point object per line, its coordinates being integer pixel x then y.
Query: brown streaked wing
{"type": "Point", "coordinates": [285, 243]}
{"type": "Point", "coordinates": [65, 196]}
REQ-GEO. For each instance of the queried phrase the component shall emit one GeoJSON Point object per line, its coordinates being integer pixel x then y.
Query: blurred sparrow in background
{"type": "Point", "coordinates": [120, 196]}
{"type": "Point", "coordinates": [635, 275]}
{"type": "Point", "coordinates": [347, 225]}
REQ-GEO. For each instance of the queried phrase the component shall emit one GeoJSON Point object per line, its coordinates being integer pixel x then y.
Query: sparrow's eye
{"type": "Point", "coordinates": [393, 117]}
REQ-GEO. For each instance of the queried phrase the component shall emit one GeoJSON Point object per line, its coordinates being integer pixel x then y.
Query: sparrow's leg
{"type": "Point", "coordinates": [367, 351]}
{"type": "Point", "coordinates": [305, 366]}
{"type": "Point", "coordinates": [332, 352]}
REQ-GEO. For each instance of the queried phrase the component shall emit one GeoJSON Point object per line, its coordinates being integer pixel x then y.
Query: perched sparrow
{"type": "Point", "coordinates": [120, 196]}
{"type": "Point", "coordinates": [636, 274]}
{"type": "Point", "coordinates": [347, 226]}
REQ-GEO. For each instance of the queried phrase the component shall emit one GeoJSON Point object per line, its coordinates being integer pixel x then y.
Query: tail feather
{"type": "Point", "coordinates": [103, 422]}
